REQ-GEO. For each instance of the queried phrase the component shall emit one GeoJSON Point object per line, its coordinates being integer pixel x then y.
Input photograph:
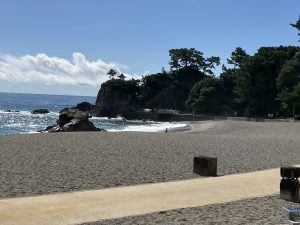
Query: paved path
{"type": "Point", "coordinates": [87, 206]}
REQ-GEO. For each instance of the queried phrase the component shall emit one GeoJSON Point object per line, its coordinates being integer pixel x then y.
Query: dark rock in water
{"type": "Point", "coordinates": [78, 125]}
{"type": "Point", "coordinates": [70, 120]}
{"type": "Point", "coordinates": [40, 111]}
{"type": "Point", "coordinates": [67, 114]}
{"type": "Point", "coordinates": [84, 106]}
{"type": "Point", "coordinates": [11, 110]}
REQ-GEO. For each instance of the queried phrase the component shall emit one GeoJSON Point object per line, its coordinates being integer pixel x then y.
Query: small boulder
{"type": "Point", "coordinates": [40, 111]}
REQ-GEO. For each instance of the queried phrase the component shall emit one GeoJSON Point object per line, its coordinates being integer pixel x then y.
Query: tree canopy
{"type": "Point", "coordinates": [238, 58]}
{"type": "Point", "coordinates": [111, 73]}
{"type": "Point", "coordinates": [297, 26]}
{"type": "Point", "coordinates": [288, 83]}
{"type": "Point", "coordinates": [183, 58]}
{"type": "Point", "coordinates": [206, 96]}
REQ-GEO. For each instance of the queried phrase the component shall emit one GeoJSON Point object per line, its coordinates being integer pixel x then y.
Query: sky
{"type": "Point", "coordinates": [67, 46]}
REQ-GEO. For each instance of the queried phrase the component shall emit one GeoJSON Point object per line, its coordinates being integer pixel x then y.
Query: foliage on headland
{"type": "Point", "coordinates": [267, 82]}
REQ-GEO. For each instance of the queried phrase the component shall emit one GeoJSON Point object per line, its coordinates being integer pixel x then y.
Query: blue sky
{"type": "Point", "coordinates": [38, 39]}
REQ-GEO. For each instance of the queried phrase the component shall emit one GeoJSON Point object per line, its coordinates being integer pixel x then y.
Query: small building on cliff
{"type": "Point", "coordinates": [122, 76]}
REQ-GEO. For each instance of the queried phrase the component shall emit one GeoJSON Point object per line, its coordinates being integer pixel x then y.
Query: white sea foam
{"type": "Point", "coordinates": [7, 112]}
{"type": "Point", "coordinates": [119, 118]}
{"type": "Point", "coordinates": [32, 132]}
{"type": "Point", "coordinates": [21, 125]}
{"type": "Point", "coordinates": [155, 127]}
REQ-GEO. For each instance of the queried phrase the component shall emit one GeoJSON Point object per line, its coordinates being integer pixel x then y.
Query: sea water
{"type": "Point", "coordinates": [20, 120]}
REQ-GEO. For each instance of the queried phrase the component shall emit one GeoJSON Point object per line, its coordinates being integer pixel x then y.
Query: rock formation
{"type": "Point", "coordinates": [40, 111]}
{"type": "Point", "coordinates": [116, 97]}
{"type": "Point", "coordinates": [85, 107]}
{"type": "Point", "coordinates": [70, 120]}
{"type": "Point", "coordinates": [11, 111]}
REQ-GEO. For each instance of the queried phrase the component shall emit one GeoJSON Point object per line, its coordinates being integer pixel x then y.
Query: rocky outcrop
{"type": "Point", "coordinates": [40, 111]}
{"type": "Point", "coordinates": [116, 97]}
{"type": "Point", "coordinates": [11, 111]}
{"type": "Point", "coordinates": [71, 120]}
{"type": "Point", "coordinates": [85, 107]}
{"type": "Point", "coordinates": [112, 101]}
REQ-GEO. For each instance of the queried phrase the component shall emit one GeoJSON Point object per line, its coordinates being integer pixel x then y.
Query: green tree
{"type": "Point", "coordinates": [297, 26]}
{"type": "Point", "coordinates": [206, 96]}
{"type": "Point", "coordinates": [111, 73]}
{"type": "Point", "coordinates": [184, 58]}
{"type": "Point", "coordinates": [288, 83]}
{"type": "Point", "coordinates": [229, 76]}
{"type": "Point", "coordinates": [256, 80]}
{"type": "Point", "coordinates": [238, 58]}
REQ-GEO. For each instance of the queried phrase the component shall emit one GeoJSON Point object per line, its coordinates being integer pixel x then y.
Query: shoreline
{"type": "Point", "coordinates": [184, 129]}
{"type": "Point", "coordinates": [188, 126]}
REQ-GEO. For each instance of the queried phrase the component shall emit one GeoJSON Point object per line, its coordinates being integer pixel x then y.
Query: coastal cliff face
{"type": "Point", "coordinates": [116, 97]}
{"type": "Point", "coordinates": [160, 91]}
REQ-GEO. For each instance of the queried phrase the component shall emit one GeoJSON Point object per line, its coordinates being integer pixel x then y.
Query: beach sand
{"type": "Point", "coordinates": [254, 211]}
{"type": "Point", "coordinates": [34, 164]}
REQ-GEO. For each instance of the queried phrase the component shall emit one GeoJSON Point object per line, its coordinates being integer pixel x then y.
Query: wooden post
{"type": "Point", "coordinates": [205, 166]}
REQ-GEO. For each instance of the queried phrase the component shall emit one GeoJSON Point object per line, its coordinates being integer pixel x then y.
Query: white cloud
{"type": "Point", "coordinates": [44, 69]}
{"type": "Point", "coordinates": [146, 73]}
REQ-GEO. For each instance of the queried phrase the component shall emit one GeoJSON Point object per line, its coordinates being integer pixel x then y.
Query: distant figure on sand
{"type": "Point", "coordinates": [166, 130]}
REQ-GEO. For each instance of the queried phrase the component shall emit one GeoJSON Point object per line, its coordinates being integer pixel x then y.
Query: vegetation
{"type": "Point", "coordinates": [205, 96]}
{"type": "Point", "coordinates": [297, 25]}
{"type": "Point", "coordinates": [250, 85]}
{"type": "Point", "coordinates": [288, 83]}
{"type": "Point", "coordinates": [111, 73]}
{"type": "Point", "coordinates": [184, 58]}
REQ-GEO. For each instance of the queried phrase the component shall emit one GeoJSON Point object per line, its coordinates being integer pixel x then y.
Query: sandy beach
{"type": "Point", "coordinates": [254, 211]}
{"type": "Point", "coordinates": [35, 164]}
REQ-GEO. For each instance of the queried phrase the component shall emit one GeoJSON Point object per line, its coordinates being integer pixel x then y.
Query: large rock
{"type": "Point", "coordinates": [40, 111]}
{"type": "Point", "coordinates": [116, 97]}
{"type": "Point", "coordinates": [71, 120]}
{"type": "Point", "coordinates": [67, 114]}
{"type": "Point", "coordinates": [79, 125]}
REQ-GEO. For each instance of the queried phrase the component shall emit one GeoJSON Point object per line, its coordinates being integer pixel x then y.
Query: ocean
{"type": "Point", "coordinates": [20, 120]}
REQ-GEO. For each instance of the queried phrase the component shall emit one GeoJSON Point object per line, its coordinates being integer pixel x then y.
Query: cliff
{"type": "Point", "coordinates": [116, 97]}
{"type": "Point", "coordinates": [160, 91]}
